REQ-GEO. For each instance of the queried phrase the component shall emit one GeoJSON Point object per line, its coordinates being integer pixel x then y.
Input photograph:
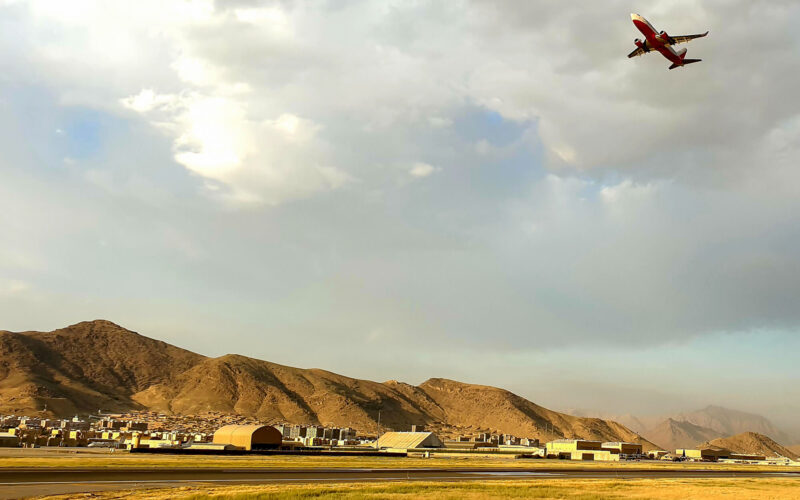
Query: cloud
{"type": "Point", "coordinates": [13, 288]}
{"type": "Point", "coordinates": [420, 170]}
{"type": "Point", "coordinates": [581, 199]}
{"type": "Point", "coordinates": [267, 161]}
{"type": "Point", "coordinates": [257, 115]}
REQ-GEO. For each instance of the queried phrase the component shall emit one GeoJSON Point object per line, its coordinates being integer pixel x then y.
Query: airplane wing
{"type": "Point", "coordinates": [687, 38]}
{"type": "Point", "coordinates": [636, 52]}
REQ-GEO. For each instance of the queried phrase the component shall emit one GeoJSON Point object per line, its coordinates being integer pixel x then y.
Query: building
{"type": "Point", "coordinates": [710, 454]}
{"type": "Point", "coordinates": [580, 449]}
{"type": "Point", "coordinates": [409, 440]}
{"type": "Point", "coordinates": [249, 437]}
{"type": "Point", "coordinates": [296, 432]}
{"type": "Point", "coordinates": [563, 448]}
{"type": "Point", "coordinates": [211, 446]}
{"type": "Point", "coordinates": [8, 440]}
{"type": "Point", "coordinates": [347, 434]}
{"type": "Point", "coordinates": [623, 448]}
{"type": "Point", "coordinates": [315, 431]}
{"type": "Point", "coordinates": [745, 457]}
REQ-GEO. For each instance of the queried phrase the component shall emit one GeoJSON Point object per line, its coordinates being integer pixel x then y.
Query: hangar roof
{"type": "Point", "coordinates": [409, 440]}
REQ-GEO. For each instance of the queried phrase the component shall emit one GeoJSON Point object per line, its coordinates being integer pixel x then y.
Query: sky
{"type": "Point", "coordinates": [488, 191]}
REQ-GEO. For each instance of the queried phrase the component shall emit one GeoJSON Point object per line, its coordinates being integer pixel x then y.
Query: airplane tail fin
{"type": "Point", "coordinates": [685, 62]}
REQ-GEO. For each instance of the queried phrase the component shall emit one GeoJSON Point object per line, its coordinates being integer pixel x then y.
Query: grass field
{"type": "Point", "coordinates": [122, 460]}
{"type": "Point", "coordinates": [756, 489]}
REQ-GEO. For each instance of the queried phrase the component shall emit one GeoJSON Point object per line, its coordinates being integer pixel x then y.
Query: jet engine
{"type": "Point", "coordinates": [642, 45]}
{"type": "Point", "coordinates": [666, 38]}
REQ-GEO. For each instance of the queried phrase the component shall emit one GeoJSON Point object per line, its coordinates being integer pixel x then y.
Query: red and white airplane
{"type": "Point", "coordinates": [662, 42]}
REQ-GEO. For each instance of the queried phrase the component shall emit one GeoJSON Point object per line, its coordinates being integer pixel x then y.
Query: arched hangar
{"type": "Point", "coordinates": [249, 437]}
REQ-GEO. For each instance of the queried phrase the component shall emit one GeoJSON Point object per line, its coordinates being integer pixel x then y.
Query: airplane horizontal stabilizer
{"type": "Point", "coordinates": [685, 62]}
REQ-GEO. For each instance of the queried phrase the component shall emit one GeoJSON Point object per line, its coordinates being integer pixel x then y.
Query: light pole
{"type": "Point", "coordinates": [378, 434]}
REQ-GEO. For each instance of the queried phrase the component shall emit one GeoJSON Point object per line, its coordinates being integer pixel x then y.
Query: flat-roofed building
{"type": "Point", "coordinates": [706, 454]}
{"type": "Point", "coordinates": [563, 448]}
{"type": "Point", "coordinates": [623, 448]}
{"type": "Point", "coordinates": [747, 457]}
{"type": "Point", "coordinates": [315, 431]}
{"type": "Point", "coordinates": [409, 440]}
{"type": "Point", "coordinates": [529, 442]}
{"type": "Point", "coordinates": [8, 440]}
{"type": "Point", "coordinates": [598, 455]}
{"type": "Point", "coordinates": [212, 447]}
{"type": "Point", "coordinates": [249, 437]}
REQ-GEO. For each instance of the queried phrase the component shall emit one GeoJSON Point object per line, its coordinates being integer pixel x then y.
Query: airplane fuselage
{"type": "Point", "coordinates": [657, 41]}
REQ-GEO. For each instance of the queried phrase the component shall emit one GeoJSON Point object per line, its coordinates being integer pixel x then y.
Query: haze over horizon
{"type": "Point", "coordinates": [484, 191]}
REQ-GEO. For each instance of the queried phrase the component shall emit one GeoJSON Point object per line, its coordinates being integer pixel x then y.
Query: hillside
{"type": "Point", "coordinates": [637, 423]}
{"type": "Point", "coordinates": [691, 428]}
{"type": "Point", "coordinates": [99, 365]}
{"type": "Point", "coordinates": [84, 367]}
{"type": "Point", "coordinates": [729, 422]}
{"type": "Point", "coordinates": [672, 434]}
{"type": "Point", "coordinates": [752, 443]}
{"type": "Point", "coordinates": [466, 404]}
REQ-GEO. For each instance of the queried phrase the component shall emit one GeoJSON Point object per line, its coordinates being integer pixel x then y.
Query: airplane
{"type": "Point", "coordinates": [662, 42]}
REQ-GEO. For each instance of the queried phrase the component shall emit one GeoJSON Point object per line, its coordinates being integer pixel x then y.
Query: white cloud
{"type": "Point", "coordinates": [146, 100]}
{"type": "Point", "coordinates": [268, 161]}
{"type": "Point", "coordinates": [666, 206]}
{"type": "Point", "coordinates": [440, 122]}
{"type": "Point", "coordinates": [195, 71]}
{"type": "Point", "coordinates": [420, 170]}
{"type": "Point", "coordinates": [483, 147]}
{"type": "Point", "coordinates": [13, 288]}
{"type": "Point", "coordinates": [625, 191]}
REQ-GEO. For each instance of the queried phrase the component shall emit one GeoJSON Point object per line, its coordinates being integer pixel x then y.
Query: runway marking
{"type": "Point", "coordinates": [514, 473]}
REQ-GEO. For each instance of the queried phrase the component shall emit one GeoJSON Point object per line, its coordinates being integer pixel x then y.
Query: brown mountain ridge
{"type": "Point", "coordinates": [751, 443]}
{"type": "Point", "coordinates": [675, 434]}
{"type": "Point", "coordinates": [98, 364]}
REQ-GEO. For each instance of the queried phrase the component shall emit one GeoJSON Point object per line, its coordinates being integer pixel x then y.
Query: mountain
{"type": "Point", "coordinates": [690, 428]}
{"type": "Point", "coordinates": [637, 423]}
{"type": "Point", "coordinates": [672, 434]}
{"type": "Point", "coordinates": [99, 365]}
{"type": "Point", "coordinates": [752, 443]}
{"type": "Point", "coordinates": [729, 422]}
{"type": "Point", "coordinates": [83, 368]}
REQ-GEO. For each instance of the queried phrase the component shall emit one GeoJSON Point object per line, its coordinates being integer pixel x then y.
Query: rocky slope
{"type": "Point", "coordinates": [99, 365]}
{"type": "Point", "coordinates": [752, 443]}
{"type": "Point", "coordinates": [729, 422]}
{"type": "Point", "coordinates": [690, 428]}
{"type": "Point", "coordinates": [83, 368]}
{"type": "Point", "coordinates": [672, 434]}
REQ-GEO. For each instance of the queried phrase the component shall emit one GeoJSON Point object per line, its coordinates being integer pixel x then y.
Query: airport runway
{"type": "Point", "coordinates": [20, 483]}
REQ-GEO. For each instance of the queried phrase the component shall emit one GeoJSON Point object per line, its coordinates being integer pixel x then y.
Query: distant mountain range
{"type": "Point", "coordinates": [751, 443]}
{"type": "Point", "coordinates": [688, 429]}
{"type": "Point", "coordinates": [100, 365]}
{"type": "Point", "coordinates": [672, 434]}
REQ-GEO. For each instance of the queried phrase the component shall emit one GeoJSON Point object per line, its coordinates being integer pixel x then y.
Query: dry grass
{"type": "Point", "coordinates": [755, 489]}
{"type": "Point", "coordinates": [127, 460]}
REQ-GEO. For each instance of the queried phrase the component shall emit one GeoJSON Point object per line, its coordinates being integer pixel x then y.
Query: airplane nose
{"type": "Point", "coordinates": [634, 16]}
